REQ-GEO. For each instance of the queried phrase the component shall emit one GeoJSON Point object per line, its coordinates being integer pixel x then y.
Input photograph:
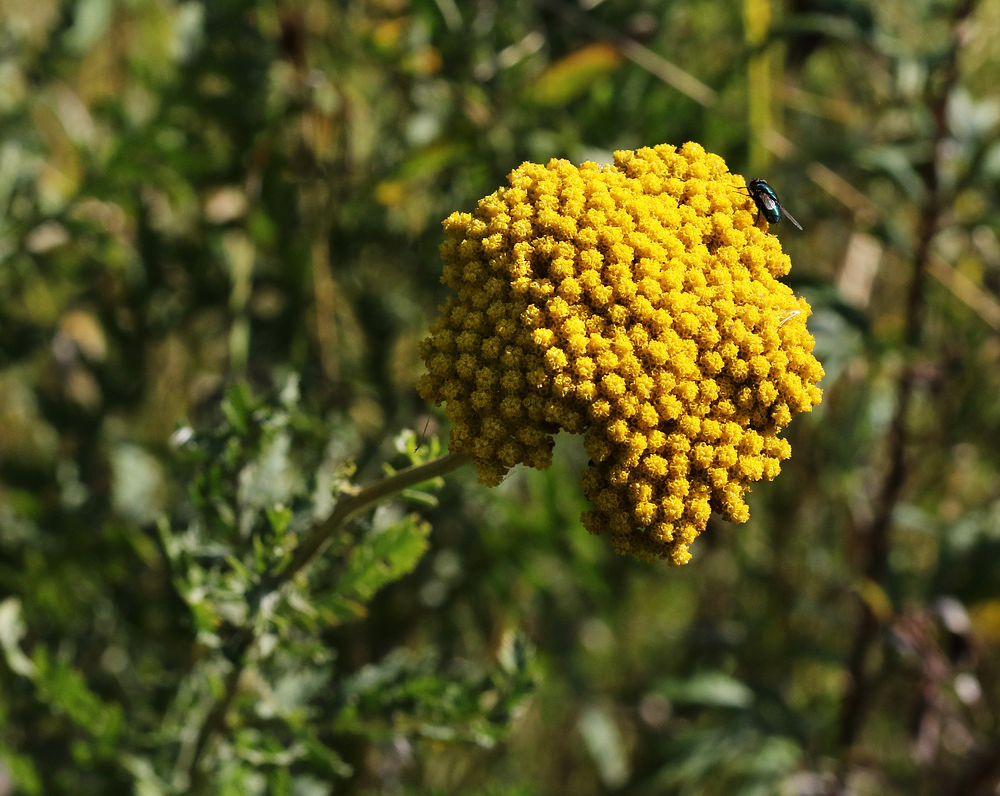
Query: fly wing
{"type": "Point", "coordinates": [791, 218]}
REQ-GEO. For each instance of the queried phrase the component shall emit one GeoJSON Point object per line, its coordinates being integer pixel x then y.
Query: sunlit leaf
{"type": "Point", "coordinates": [714, 689]}
{"type": "Point", "coordinates": [575, 73]}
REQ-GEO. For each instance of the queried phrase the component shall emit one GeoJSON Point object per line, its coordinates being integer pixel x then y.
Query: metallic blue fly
{"type": "Point", "coordinates": [767, 202]}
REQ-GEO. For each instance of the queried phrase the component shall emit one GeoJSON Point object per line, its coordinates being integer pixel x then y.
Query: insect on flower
{"type": "Point", "coordinates": [767, 202]}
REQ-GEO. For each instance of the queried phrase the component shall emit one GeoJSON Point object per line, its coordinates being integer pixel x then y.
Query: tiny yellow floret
{"type": "Point", "coordinates": [636, 304]}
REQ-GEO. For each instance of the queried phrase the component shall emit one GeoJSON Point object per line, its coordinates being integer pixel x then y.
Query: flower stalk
{"type": "Point", "coordinates": [349, 506]}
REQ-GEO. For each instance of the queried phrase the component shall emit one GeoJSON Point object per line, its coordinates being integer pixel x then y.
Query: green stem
{"type": "Point", "coordinates": [350, 506]}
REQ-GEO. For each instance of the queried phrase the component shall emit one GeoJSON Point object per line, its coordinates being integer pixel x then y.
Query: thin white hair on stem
{"type": "Point", "coordinates": [789, 316]}
{"type": "Point", "coordinates": [423, 434]}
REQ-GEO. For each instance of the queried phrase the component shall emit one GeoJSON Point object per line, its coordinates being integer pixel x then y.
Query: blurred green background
{"type": "Point", "coordinates": [200, 195]}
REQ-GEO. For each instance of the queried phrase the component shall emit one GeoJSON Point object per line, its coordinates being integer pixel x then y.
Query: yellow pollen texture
{"type": "Point", "coordinates": [636, 304]}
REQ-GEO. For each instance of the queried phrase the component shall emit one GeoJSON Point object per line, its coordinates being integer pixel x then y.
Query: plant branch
{"type": "Point", "coordinates": [347, 507]}
{"type": "Point", "coordinates": [878, 532]}
{"type": "Point", "coordinates": [350, 506]}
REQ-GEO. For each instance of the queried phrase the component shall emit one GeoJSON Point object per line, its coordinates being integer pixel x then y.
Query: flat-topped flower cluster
{"type": "Point", "coordinates": [637, 304]}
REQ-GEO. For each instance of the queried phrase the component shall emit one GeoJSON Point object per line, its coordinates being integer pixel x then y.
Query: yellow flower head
{"type": "Point", "coordinates": [637, 304]}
